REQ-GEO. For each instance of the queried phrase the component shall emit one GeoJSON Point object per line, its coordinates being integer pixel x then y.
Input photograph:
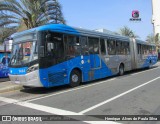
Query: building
{"type": "Point", "coordinates": [156, 22]}
{"type": "Point", "coordinates": [7, 45]}
{"type": "Point", "coordinates": [156, 16]}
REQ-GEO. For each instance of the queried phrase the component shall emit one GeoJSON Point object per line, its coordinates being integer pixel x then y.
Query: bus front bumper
{"type": "Point", "coordinates": [30, 79]}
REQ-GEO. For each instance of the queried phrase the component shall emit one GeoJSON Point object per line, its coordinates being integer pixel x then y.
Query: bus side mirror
{"type": "Point", "coordinates": [41, 51]}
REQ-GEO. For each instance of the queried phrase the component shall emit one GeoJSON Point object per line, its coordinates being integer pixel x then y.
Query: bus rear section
{"type": "Point", "coordinates": [145, 54]}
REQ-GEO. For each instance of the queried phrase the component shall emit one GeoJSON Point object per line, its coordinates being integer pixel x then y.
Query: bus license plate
{"type": "Point", "coordinates": [17, 81]}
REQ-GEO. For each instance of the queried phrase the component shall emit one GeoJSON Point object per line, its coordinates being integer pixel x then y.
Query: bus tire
{"type": "Point", "coordinates": [75, 78]}
{"type": "Point", "coordinates": [26, 87]}
{"type": "Point", "coordinates": [121, 70]}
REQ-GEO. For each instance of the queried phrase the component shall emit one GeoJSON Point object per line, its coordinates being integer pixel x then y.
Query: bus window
{"type": "Point", "coordinates": [150, 49]}
{"type": "Point", "coordinates": [103, 48]}
{"type": "Point", "coordinates": [153, 49]}
{"type": "Point", "coordinates": [84, 45]}
{"type": "Point", "coordinates": [143, 49]}
{"type": "Point", "coordinates": [93, 45]}
{"type": "Point", "coordinates": [146, 50]}
{"type": "Point", "coordinates": [139, 49]}
{"type": "Point", "coordinates": [55, 48]}
{"type": "Point", "coordinates": [111, 47]}
{"type": "Point", "coordinates": [119, 48]}
{"type": "Point", "coordinates": [126, 48]}
{"type": "Point", "coordinates": [73, 46]}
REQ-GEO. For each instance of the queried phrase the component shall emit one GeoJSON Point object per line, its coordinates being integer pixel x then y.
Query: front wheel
{"type": "Point", "coordinates": [121, 70]}
{"type": "Point", "coordinates": [75, 78]}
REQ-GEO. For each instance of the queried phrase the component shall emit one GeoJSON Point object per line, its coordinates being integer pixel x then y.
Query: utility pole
{"type": "Point", "coordinates": [156, 21]}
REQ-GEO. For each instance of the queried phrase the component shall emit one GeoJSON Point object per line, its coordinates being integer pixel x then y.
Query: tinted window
{"type": "Point", "coordinates": [139, 48]}
{"type": "Point", "coordinates": [84, 45]}
{"type": "Point", "coordinates": [55, 48]}
{"type": "Point", "coordinates": [103, 47]}
{"type": "Point", "coordinates": [126, 47]}
{"type": "Point", "coordinates": [119, 49]}
{"type": "Point", "coordinates": [93, 45]}
{"type": "Point", "coordinates": [111, 47]}
{"type": "Point", "coordinates": [72, 46]}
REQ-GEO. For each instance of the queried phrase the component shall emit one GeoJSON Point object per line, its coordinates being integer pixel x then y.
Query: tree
{"type": "Point", "coordinates": [150, 38]}
{"type": "Point", "coordinates": [6, 32]}
{"type": "Point", "coordinates": [31, 12]}
{"type": "Point", "coordinates": [53, 11]}
{"type": "Point", "coordinates": [157, 39]}
{"type": "Point", "coordinates": [125, 31]}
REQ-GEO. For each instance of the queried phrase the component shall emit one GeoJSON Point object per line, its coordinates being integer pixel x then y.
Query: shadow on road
{"type": "Point", "coordinates": [4, 79]}
{"type": "Point", "coordinates": [32, 90]}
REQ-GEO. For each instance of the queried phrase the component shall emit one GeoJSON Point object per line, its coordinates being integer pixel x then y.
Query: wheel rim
{"type": "Point", "coordinates": [74, 78]}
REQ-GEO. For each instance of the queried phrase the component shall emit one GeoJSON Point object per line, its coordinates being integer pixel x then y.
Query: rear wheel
{"type": "Point", "coordinates": [75, 78]}
{"type": "Point", "coordinates": [121, 70]}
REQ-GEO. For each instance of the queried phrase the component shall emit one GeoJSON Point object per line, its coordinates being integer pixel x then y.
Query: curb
{"type": "Point", "coordinates": [11, 88]}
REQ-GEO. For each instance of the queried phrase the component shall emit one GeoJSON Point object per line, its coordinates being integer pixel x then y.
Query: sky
{"type": "Point", "coordinates": [108, 14]}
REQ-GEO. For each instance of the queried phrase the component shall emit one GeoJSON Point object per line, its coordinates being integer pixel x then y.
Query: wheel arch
{"type": "Point", "coordinates": [79, 70]}
{"type": "Point", "coordinates": [121, 63]}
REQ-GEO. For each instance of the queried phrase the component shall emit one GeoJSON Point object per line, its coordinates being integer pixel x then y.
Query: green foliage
{"type": "Point", "coordinates": [31, 13]}
{"type": "Point", "coordinates": [125, 31]}
{"type": "Point", "coordinates": [150, 38]}
{"type": "Point", "coordinates": [6, 32]}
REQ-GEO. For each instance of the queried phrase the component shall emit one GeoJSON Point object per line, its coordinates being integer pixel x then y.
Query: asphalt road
{"type": "Point", "coordinates": [136, 93]}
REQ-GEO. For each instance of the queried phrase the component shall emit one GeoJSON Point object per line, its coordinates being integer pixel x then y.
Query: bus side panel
{"type": "Point", "coordinates": [85, 67]}
{"type": "Point", "coordinates": [54, 76]}
{"type": "Point", "coordinates": [126, 60]}
{"type": "Point", "coordinates": [100, 71]}
{"type": "Point", "coordinates": [149, 61]}
{"type": "Point", "coordinates": [106, 71]}
{"type": "Point", "coordinates": [112, 62]}
{"type": "Point", "coordinates": [154, 59]}
{"type": "Point", "coordinates": [60, 74]}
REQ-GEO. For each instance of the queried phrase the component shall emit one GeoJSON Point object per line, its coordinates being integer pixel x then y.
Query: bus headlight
{"type": "Point", "coordinates": [33, 68]}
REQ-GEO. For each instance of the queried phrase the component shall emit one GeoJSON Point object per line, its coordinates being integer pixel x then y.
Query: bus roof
{"type": "Point", "coordinates": [73, 30]}
{"type": "Point", "coordinates": [144, 43]}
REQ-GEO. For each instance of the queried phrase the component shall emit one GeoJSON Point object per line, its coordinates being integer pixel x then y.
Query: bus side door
{"type": "Point", "coordinates": [112, 58]}
{"type": "Point", "coordinates": [95, 60]}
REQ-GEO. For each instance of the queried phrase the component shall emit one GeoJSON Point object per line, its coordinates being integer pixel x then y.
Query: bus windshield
{"type": "Point", "coordinates": [23, 53]}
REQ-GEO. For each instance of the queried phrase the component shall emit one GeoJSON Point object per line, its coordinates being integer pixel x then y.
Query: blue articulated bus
{"type": "Point", "coordinates": [56, 54]}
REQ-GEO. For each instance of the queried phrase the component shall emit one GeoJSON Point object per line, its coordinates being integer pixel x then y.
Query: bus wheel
{"type": "Point", "coordinates": [75, 78]}
{"type": "Point", "coordinates": [26, 87]}
{"type": "Point", "coordinates": [121, 70]}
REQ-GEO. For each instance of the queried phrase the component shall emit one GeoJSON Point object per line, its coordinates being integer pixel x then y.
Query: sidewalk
{"type": "Point", "coordinates": [7, 86]}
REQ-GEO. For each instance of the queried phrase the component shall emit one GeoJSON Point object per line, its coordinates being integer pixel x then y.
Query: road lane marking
{"type": "Point", "coordinates": [116, 97]}
{"type": "Point", "coordinates": [8, 100]}
{"type": "Point", "coordinates": [51, 110]}
{"type": "Point", "coordinates": [78, 88]}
